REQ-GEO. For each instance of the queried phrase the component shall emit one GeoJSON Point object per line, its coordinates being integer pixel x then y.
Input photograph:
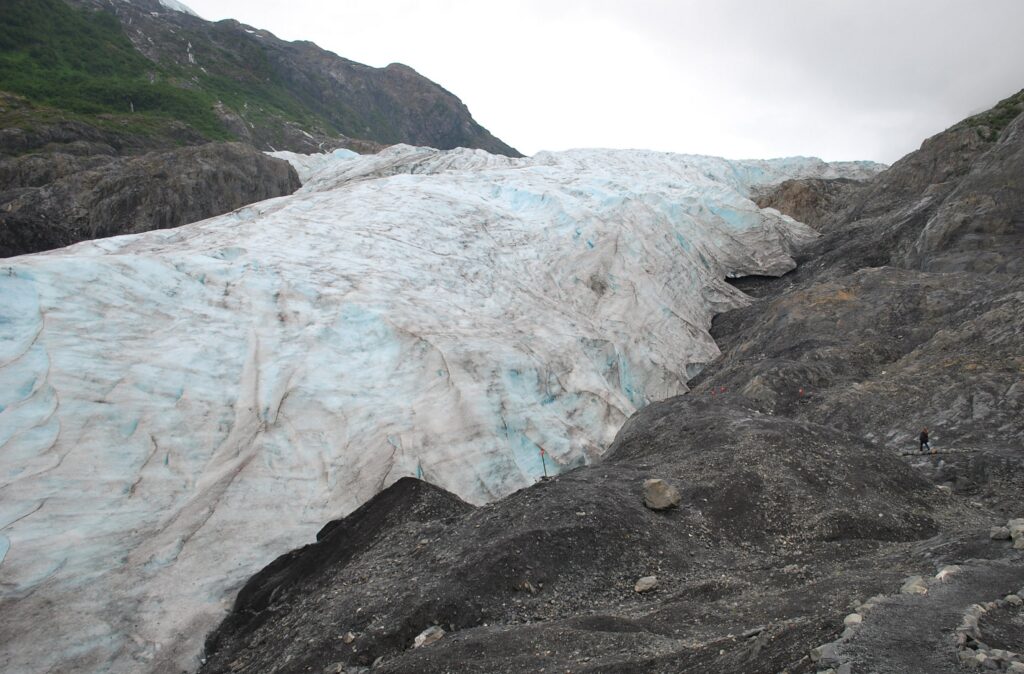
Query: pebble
{"type": "Point", "coordinates": [853, 619]}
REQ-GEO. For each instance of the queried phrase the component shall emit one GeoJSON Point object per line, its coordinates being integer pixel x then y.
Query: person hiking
{"type": "Point", "coordinates": [923, 439]}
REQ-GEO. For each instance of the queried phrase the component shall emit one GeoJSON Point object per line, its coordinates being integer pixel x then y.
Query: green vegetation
{"type": "Point", "coordinates": [992, 122]}
{"type": "Point", "coordinates": [81, 61]}
{"type": "Point", "coordinates": [66, 62]}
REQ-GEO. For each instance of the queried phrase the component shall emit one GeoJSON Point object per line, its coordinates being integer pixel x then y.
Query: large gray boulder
{"type": "Point", "coordinates": [660, 495]}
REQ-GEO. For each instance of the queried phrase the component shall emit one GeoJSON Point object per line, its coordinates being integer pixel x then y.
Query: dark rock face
{"type": "Point", "coordinates": [812, 201]}
{"type": "Point", "coordinates": [796, 500]}
{"type": "Point", "coordinates": [49, 201]}
{"type": "Point", "coordinates": [953, 205]}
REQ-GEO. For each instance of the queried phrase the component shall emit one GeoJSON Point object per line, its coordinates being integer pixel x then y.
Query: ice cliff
{"type": "Point", "coordinates": [179, 407]}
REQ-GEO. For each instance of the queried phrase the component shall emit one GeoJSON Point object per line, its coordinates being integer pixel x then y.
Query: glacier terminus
{"type": "Point", "coordinates": [179, 407]}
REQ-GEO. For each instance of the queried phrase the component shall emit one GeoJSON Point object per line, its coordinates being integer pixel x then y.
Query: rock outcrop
{"type": "Point", "coordinates": [58, 199]}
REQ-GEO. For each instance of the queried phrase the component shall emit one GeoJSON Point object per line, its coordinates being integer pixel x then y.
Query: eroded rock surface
{"type": "Point", "coordinates": [51, 201]}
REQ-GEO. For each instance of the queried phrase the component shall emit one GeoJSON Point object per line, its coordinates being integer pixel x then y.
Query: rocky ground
{"type": "Point", "coordinates": [801, 496]}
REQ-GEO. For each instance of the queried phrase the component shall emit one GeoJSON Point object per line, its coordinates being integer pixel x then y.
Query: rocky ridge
{"type": "Point", "coordinates": [797, 502]}
{"type": "Point", "coordinates": [62, 199]}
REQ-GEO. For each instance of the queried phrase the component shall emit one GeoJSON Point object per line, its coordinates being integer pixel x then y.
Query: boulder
{"type": "Point", "coordinates": [914, 585]}
{"type": "Point", "coordinates": [428, 636]}
{"type": "Point", "coordinates": [660, 495]}
{"type": "Point", "coordinates": [646, 584]}
{"type": "Point", "coordinates": [999, 534]}
{"type": "Point", "coordinates": [825, 655]}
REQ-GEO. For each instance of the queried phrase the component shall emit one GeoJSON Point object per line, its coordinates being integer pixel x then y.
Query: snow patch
{"type": "Point", "coordinates": [178, 7]}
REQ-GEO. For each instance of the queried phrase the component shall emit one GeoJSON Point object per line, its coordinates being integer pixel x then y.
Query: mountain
{"type": "Point", "coordinates": [148, 72]}
{"type": "Point", "coordinates": [194, 402]}
{"type": "Point", "coordinates": [809, 533]}
{"type": "Point", "coordinates": [124, 89]}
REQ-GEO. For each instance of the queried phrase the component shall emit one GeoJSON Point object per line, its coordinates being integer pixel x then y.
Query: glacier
{"type": "Point", "coordinates": [179, 407]}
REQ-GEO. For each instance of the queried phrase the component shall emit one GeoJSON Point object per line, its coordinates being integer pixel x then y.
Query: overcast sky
{"type": "Point", "coordinates": [838, 79]}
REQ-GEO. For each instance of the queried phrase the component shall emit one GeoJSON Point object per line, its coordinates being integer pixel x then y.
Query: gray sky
{"type": "Point", "coordinates": [838, 79]}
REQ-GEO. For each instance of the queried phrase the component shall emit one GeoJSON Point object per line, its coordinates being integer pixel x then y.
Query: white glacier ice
{"type": "Point", "coordinates": [308, 164]}
{"type": "Point", "coordinates": [179, 407]}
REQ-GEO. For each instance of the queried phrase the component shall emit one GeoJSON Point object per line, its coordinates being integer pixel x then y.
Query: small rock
{"type": "Point", "coordinates": [914, 585]}
{"type": "Point", "coordinates": [428, 636]}
{"type": "Point", "coordinates": [825, 655]}
{"type": "Point", "coordinates": [853, 620]}
{"type": "Point", "coordinates": [967, 659]}
{"type": "Point", "coordinates": [348, 637]}
{"type": "Point", "coordinates": [1018, 543]}
{"type": "Point", "coordinates": [1016, 668]}
{"type": "Point", "coordinates": [947, 571]}
{"type": "Point", "coordinates": [999, 533]}
{"type": "Point", "coordinates": [1014, 600]}
{"type": "Point", "coordinates": [660, 495]}
{"type": "Point", "coordinates": [646, 584]}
